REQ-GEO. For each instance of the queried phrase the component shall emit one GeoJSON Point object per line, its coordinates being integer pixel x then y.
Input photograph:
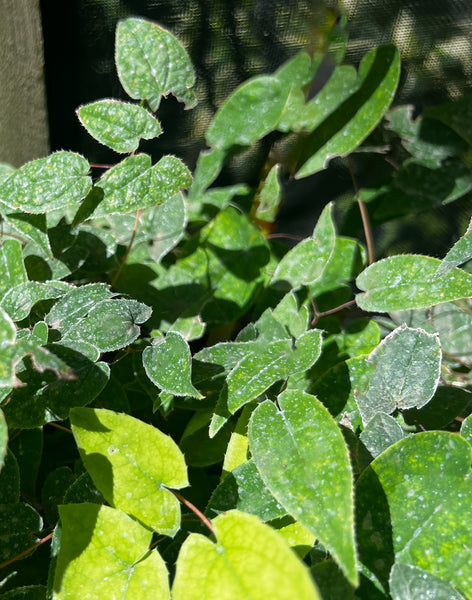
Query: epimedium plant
{"type": "Point", "coordinates": [190, 408]}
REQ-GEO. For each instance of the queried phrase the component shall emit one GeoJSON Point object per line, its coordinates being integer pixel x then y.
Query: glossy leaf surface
{"type": "Point", "coordinates": [132, 463]}
{"type": "Point", "coordinates": [413, 496]}
{"type": "Point", "coordinates": [46, 184]}
{"type": "Point", "coordinates": [404, 373]}
{"type": "Point", "coordinates": [118, 125]}
{"type": "Point", "coordinates": [104, 554]}
{"type": "Point", "coordinates": [168, 365]}
{"type": "Point", "coordinates": [249, 561]}
{"type": "Point", "coordinates": [408, 281]}
{"type": "Point", "coordinates": [152, 63]}
{"type": "Point", "coordinates": [302, 458]}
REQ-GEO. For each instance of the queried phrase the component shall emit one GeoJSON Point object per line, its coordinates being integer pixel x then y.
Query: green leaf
{"type": "Point", "coordinates": [48, 397]}
{"type": "Point", "coordinates": [27, 447]}
{"type": "Point", "coordinates": [10, 480]}
{"type": "Point", "coordinates": [19, 526]}
{"type": "Point", "coordinates": [3, 438]}
{"type": "Point", "coordinates": [132, 464]}
{"type": "Point", "coordinates": [404, 373]}
{"type": "Point", "coordinates": [458, 254]}
{"type": "Point", "coordinates": [32, 228]}
{"type": "Point", "coordinates": [168, 365]}
{"type": "Point", "coordinates": [305, 263]}
{"type": "Point", "coordinates": [27, 592]}
{"type": "Point", "coordinates": [46, 184]}
{"type": "Point", "coordinates": [302, 458]}
{"type": "Point", "coordinates": [119, 125]}
{"type": "Point", "coordinates": [350, 122]}
{"type": "Point", "coordinates": [245, 490]}
{"type": "Point", "coordinates": [209, 164]}
{"type": "Point", "coordinates": [105, 554]}
{"type": "Point", "coordinates": [252, 111]}
{"type": "Point", "coordinates": [7, 350]}
{"type": "Point", "coordinates": [450, 320]}
{"type": "Point", "coordinates": [411, 583]}
{"type": "Point", "coordinates": [293, 318]}
{"type": "Point", "coordinates": [169, 221]}
{"type": "Point", "coordinates": [410, 505]}
{"type": "Point", "coordinates": [110, 324]}
{"type": "Point", "coordinates": [249, 561]}
{"type": "Point", "coordinates": [134, 185]}
{"type": "Point", "coordinates": [457, 115]}
{"type": "Point", "coordinates": [408, 281]}
{"type": "Point", "coordinates": [426, 139]}
{"type": "Point", "coordinates": [381, 432]}
{"type": "Point", "coordinates": [270, 196]}
{"type": "Point", "coordinates": [258, 370]}
{"type": "Point", "coordinates": [19, 300]}
{"type": "Point", "coordinates": [152, 63]}
{"type": "Point", "coordinates": [12, 268]}
{"type": "Point", "coordinates": [76, 304]}
{"type": "Point", "coordinates": [466, 429]}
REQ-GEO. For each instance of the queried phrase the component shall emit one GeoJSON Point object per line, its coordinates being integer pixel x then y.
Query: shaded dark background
{"type": "Point", "coordinates": [231, 40]}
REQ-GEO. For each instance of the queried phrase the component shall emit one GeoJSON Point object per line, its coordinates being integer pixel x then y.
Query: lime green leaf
{"type": "Point", "coordinates": [152, 63]}
{"type": "Point", "coordinates": [412, 583]}
{"type": "Point", "coordinates": [249, 561]}
{"type": "Point", "coordinates": [7, 350]}
{"type": "Point", "coordinates": [170, 220]}
{"type": "Point", "coordinates": [19, 300]}
{"type": "Point", "coordinates": [410, 504]}
{"type": "Point", "coordinates": [458, 254]}
{"type": "Point", "coordinates": [3, 438]}
{"type": "Point", "coordinates": [12, 268]}
{"type": "Point", "coordinates": [49, 396]}
{"type": "Point", "coordinates": [305, 263]}
{"type": "Point", "coordinates": [130, 462]}
{"type": "Point", "coordinates": [168, 365]}
{"type": "Point", "coordinates": [75, 304]}
{"type": "Point", "coordinates": [19, 526]}
{"type": "Point", "coordinates": [404, 373]}
{"type": "Point", "coordinates": [252, 111]}
{"type": "Point", "coordinates": [119, 125]}
{"type": "Point", "coordinates": [111, 324]}
{"type": "Point", "coordinates": [134, 185]}
{"type": "Point", "coordinates": [302, 458]}
{"type": "Point", "coordinates": [408, 281]}
{"type": "Point", "coordinates": [43, 185]}
{"type": "Point", "coordinates": [244, 489]}
{"type": "Point", "coordinates": [381, 432]}
{"type": "Point", "coordinates": [351, 121]}
{"type": "Point", "coordinates": [104, 554]}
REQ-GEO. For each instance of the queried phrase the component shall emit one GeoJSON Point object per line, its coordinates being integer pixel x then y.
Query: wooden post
{"type": "Point", "coordinates": [23, 110]}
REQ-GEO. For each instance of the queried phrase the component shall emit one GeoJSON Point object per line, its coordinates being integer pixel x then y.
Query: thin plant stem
{"type": "Point", "coordinates": [194, 509]}
{"type": "Point", "coordinates": [364, 214]}
{"type": "Point", "coordinates": [26, 552]}
{"type": "Point", "coordinates": [128, 250]}
{"type": "Point", "coordinates": [318, 315]}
